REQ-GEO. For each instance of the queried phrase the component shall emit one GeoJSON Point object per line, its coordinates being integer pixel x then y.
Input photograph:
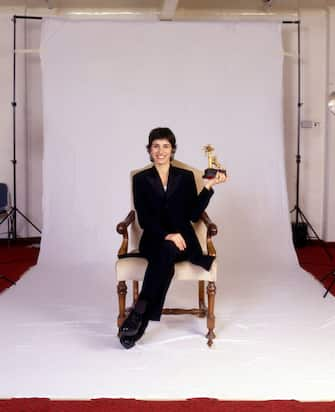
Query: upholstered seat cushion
{"type": "Point", "coordinates": [133, 268]}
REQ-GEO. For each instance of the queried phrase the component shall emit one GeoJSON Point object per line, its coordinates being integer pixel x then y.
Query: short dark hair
{"type": "Point", "coordinates": [162, 133]}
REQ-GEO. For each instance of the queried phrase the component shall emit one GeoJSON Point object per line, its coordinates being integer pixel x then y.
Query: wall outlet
{"type": "Point", "coordinates": [309, 124]}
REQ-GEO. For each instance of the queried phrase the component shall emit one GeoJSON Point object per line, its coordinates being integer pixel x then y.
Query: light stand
{"type": "Point", "coordinates": [14, 210]}
{"type": "Point", "coordinates": [301, 223]}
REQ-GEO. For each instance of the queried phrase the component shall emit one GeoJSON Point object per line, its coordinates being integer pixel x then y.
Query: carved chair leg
{"type": "Point", "coordinates": [202, 305]}
{"type": "Point", "coordinates": [211, 290]}
{"type": "Point", "coordinates": [135, 291]}
{"type": "Point", "coordinates": [122, 293]}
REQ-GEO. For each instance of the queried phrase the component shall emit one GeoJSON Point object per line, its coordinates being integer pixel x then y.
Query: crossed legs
{"type": "Point", "coordinates": [149, 306]}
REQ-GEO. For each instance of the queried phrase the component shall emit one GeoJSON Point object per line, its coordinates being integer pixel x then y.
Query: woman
{"type": "Point", "coordinates": [166, 201]}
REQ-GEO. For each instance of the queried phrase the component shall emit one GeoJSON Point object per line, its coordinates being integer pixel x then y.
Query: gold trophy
{"type": "Point", "coordinates": [213, 164]}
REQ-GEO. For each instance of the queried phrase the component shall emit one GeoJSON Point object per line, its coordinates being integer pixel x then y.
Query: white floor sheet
{"type": "Point", "coordinates": [105, 85]}
{"type": "Point", "coordinates": [274, 341]}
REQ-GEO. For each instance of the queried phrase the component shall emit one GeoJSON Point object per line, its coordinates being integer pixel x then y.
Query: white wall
{"type": "Point", "coordinates": [290, 75]}
{"type": "Point", "coordinates": [34, 126]}
{"type": "Point", "coordinates": [317, 196]}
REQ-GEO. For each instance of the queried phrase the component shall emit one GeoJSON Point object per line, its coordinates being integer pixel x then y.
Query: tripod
{"type": "Point", "coordinates": [14, 211]}
{"type": "Point", "coordinates": [300, 218]}
{"type": "Point", "coordinates": [12, 214]}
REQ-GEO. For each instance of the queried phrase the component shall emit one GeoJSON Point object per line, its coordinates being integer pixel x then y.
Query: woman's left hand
{"type": "Point", "coordinates": [219, 178]}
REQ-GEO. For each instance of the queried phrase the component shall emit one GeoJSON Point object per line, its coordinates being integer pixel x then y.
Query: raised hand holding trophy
{"type": "Point", "coordinates": [213, 164]}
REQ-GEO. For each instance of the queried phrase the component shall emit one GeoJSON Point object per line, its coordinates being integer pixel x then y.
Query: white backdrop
{"type": "Point", "coordinates": [107, 84]}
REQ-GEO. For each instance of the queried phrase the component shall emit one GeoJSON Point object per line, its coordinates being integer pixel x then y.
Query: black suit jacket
{"type": "Point", "coordinates": [162, 212]}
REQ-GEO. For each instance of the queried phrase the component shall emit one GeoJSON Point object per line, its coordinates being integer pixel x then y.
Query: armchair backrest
{"type": "Point", "coordinates": [199, 227]}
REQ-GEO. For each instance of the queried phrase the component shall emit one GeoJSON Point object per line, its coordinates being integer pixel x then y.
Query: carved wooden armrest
{"type": "Point", "coordinates": [212, 230]}
{"type": "Point", "coordinates": [122, 228]}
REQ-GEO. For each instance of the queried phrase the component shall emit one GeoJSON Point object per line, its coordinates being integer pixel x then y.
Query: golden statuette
{"type": "Point", "coordinates": [213, 164]}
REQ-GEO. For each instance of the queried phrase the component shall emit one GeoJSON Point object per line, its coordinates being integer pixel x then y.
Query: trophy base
{"type": "Point", "coordinates": [211, 173]}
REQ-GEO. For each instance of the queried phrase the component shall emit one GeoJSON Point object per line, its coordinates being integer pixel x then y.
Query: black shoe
{"type": "Point", "coordinates": [127, 341]}
{"type": "Point", "coordinates": [141, 330]}
{"type": "Point", "coordinates": [132, 324]}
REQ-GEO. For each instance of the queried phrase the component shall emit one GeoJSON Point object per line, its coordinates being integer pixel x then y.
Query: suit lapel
{"type": "Point", "coordinates": [155, 181]}
{"type": "Point", "coordinates": [173, 181]}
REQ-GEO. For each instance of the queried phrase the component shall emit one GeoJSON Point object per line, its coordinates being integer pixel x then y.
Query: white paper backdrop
{"type": "Point", "coordinates": [107, 84]}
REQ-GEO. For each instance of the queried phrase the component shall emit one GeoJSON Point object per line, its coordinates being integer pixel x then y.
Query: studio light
{"type": "Point", "coordinates": [331, 103]}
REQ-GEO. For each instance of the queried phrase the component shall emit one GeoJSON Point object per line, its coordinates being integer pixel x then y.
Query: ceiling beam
{"type": "Point", "coordinates": [168, 9]}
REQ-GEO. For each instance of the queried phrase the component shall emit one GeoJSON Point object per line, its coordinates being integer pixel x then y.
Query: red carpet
{"type": "Point", "coordinates": [314, 260]}
{"type": "Point", "coordinates": [15, 260]}
{"type": "Point", "coordinates": [131, 405]}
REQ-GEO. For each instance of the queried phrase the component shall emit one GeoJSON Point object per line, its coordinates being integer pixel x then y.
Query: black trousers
{"type": "Point", "coordinates": [158, 276]}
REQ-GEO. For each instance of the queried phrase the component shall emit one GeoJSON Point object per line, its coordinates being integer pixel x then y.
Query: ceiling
{"type": "Point", "coordinates": [187, 5]}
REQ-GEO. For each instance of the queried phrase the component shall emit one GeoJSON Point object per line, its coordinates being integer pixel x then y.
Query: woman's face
{"type": "Point", "coordinates": [161, 152]}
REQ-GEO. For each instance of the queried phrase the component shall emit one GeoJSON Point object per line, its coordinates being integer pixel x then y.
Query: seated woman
{"type": "Point", "coordinates": [166, 201]}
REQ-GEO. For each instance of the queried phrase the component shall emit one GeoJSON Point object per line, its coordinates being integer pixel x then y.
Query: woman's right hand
{"type": "Point", "coordinates": [219, 178]}
{"type": "Point", "coordinates": [177, 239]}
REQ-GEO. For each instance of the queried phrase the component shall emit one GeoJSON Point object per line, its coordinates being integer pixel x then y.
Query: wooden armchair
{"type": "Point", "coordinates": [131, 267]}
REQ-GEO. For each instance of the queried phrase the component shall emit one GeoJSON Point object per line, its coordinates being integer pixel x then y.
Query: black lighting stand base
{"type": "Point", "coordinates": [10, 231]}
{"type": "Point", "coordinates": [7, 279]}
{"type": "Point", "coordinates": [300, 234]}
{"type": "Point", "coordinates": [331, 273]}
{"type": "Point", "coordinates": [11, 215]}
